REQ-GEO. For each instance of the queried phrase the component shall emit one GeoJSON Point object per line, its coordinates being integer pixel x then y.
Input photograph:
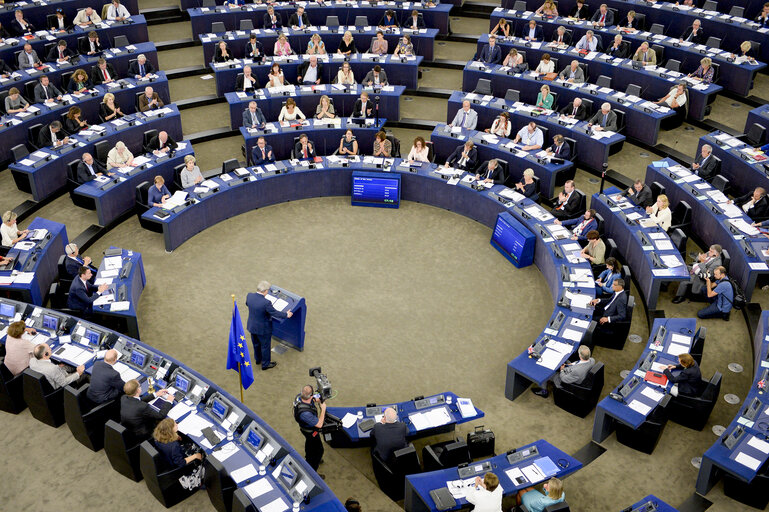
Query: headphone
{"type": "Point", "coordinates": [70, 249]}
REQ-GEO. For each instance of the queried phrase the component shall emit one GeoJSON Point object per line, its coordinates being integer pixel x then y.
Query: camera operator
{"type": "Point", "coordinates": [310, 423]}
{"type": "Point", "coordinates": [704, 267]}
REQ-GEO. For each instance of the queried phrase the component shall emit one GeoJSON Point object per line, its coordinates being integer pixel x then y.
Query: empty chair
{"type": "Point", "coordinates": [657, 190]}
{"type": "Point", "coordinates": [332, 21]}
{"type": "Point", "coordinates": [645, 438]}
{"type": "Point", "coordinates": [445, 455]}
{"type": "Point", "coordinates": [219, 484]}
{"type": "Point", "coordinates": [737, 11]}
{"type": "Point", "coordinates": [483, 87]}
{"type": "Point", "coordinates": [713, 42]}
{"type": "Point", "coordinates": [122, 450]}
{"type": "Point", "coordinates": [710, 5]}
{"type": "Point", "coordinates": [755, 135]}
{"type": "Point", "coordinates": [45, 403]}
{"type": "Point", "coordinates": [396, 145]}
{"type": "Point", "coordinates": [361, 21]}
{"type": "Point", "coordinates": [513, 95]}
{"type": "Point", "coordinates": [573, 146]}
{"type": "Point", "coordinates": [698, 344]}
{"type": "Point", "coordinates": [33, 134]}
{"type": "Point", "coordinates": [660, 51]}
{"type": "Point", "coordinates": [555, 507]}
{"type": "Point", "coordinates": [673, 65]}
{"type": "Point", "coordinates": [119, 42]}
{"type": "Point", "coordinates": [58, 294]}
{"type": "Point", "coordinates": [682, 216]}
{"type": "Point", "coordinates": [580, 399]}
{"type": "Point", "coordinates": [726, 260]}
{"type": "Point", "coordinates": [603, 81]}
{"type": "Point", "coordinates": [246, 25]}
{"type": "Point", "coordinates": [391, 477]}
{"type": "Point", "coordinates": [633, 90]}
{"type": "Point", "coordinates": [656, 28]}
{"type": "Point", "coordinates": [720, 182]}
{"type": "Point", "coordinates": [178, 175]}
{"type": "Point", "coordinates": [85, 419]}
{"type": "Point", "coordinates": [217, 27]}
{"type": "Point", "coordinates": [11, 391]}
{"type": "Point", "coordinates": [640, 21]}
{"type": "Point", "coordinates": [611, 249]}
{"type": "Point", "coordinates": [620, 119]}
{"type": "Point", "coordinates": [230, 165]}
{"type": "Point", "coordinates": [754, 494]}
{"type": "Point", "coordinates": [163, 483]}
{"type": "Point", "coordinates": [101, 149]}
{"type": "Point", "coordinates": [693, 412]}
{"type": "Point", "coordinates": [678, 238]}
{"type": "Point", "coordinates": [19, 152]}
{"type": "Point", "coordinates": [519, 5]}
{"type": "Point", "coordinates": [588, 107]}
{"type": "Point", "coordinates": [209, 3]}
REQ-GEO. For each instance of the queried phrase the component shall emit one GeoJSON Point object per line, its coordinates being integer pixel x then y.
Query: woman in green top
{"type": "Point", "coordinates": [545, 98]}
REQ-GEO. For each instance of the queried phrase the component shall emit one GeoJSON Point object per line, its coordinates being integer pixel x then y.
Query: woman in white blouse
{"type": "Point", "coordinates": [418, 151]}
{"type": "Point", "coordinates": [660, 212]}
{"type": "Point", "coordinates": [486, 494]}
{"type": "Point", "coordinates": [275, 77]}
{"type": "Point", "coordinates": [345, 75]}
{"type": "Point", "coordinates": [119, 156]}
{"type": "Point", "coordinates": [501, 126]}
{"type": "Point", "coordinates": [290, 112]}
{"type": "Point", "coordinates": [546, 65]}
{"type": "Point", "coordinates": [10, 231]}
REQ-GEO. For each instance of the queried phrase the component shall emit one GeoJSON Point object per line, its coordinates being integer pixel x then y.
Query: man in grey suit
{"type": "Point", "coordinates": [28, 58]}
{"type": "Point", "coordinates": [571, 373]}
{"type": "Point", "coordinates": [376, 76]}
{"type": "Point", "coordinates": [604, 119]}
{"type": "Point", "coordinates": [57, 376]}
{"type": "Point", "coordinates": [253, 116]}
{"type": "Point", "coordinates": [640, 194]}
{"type": "Point", "coordinates": [46, 92]}
{"type": "Point", "coordinates": [573, 73]}
{"type": "Point", "coordinates": [466, 117]}
{"type": "Point", "coordinates": [706, 264]}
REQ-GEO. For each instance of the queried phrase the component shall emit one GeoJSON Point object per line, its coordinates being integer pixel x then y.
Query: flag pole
{"type": "Point", "coordinates": [240, 377]}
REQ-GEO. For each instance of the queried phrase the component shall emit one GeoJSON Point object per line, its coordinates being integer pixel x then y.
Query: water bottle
{"type": "Point", "coordinates": [296, 506]}
{"type": "Point", "coordinates": [360, 415]}
{"type": "Point", "coordinates": [262, 470]}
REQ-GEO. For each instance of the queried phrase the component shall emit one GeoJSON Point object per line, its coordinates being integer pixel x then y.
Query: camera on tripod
{"type": "Point", "coordinates": [323, 386]}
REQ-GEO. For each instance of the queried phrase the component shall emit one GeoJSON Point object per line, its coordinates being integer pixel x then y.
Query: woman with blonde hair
{"type": "Point", "coordinates": [548, 9]}
{"type": "Point", "coordinates": [347, 45]}
{"type": "Point", "coordinates": [10, 231]}
{"type": "Point", "coordinates": [316, 46]}
{"type": "Point", "coordinates": [528, 187]}
{"type": "Point", "coordinates": [536, 501]}
{"type": "Point", "coordinates": [119, 156]}
{"type": "Point", "coordinates": [705, 72]}
{"type": "Point", "coordinates": [486, 494]}
{"type": "Point", "coordinates": [660, 212]}
{"type": "Point", "coordinates": [544, 98]}
{"type": "Point", "coordinates": [191, 174]}
{"type": "Point", "coordinates": [325, 109]}
{"type": "Point", "coordinates": [282, 48]}
{"type": "Point", "coordinates": [108, 110]}
{"type": "Point", "coordinates": [168, 442]}
{"type": "Point", "coordinates": [513, 59]}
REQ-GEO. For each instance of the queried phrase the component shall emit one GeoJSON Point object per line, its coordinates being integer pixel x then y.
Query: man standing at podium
{"type": "Point", "coordinates": [260, 315]}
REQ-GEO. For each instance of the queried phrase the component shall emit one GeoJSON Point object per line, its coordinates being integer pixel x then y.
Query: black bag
{"type": "Point", "coordinates": [738, 296]}
{"type": "Point", "coordinates": [480, 443]}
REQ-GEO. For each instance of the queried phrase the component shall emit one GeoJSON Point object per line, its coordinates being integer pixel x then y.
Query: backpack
{"type": "Point", "coordinates": [738, 296]}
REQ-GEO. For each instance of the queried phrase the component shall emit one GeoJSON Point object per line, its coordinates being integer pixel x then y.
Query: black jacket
{"type": "Point", "coordinates": [758, 211]}
{"type": "Point", "coordinates": [97, 78]}
{"type": "Point", "coordinates": [293, 21]}
{"type": "Point", "coordinates": [302, 70]}
{"type": "Point", "coordinates": [456, 156]}
{"type": "Point", "coordinates": [697, 39]}
{"type": "Point", "coordinates": [642, 198]}
{"type": "Point", "coordinates": [389, 437]}
{"type": "Point", "coordinates": [581, 114]}
{"type": "Point", "coordinates": [84, 176]}
{"type": "Point", "coordinates": [689, 380]}
{"type": "Point", "coordinates": [708, 171]}
{"type": "Point", "coordinates": [155, 143]}
{"type": "Point", "coordinates": [268, 22]}
{"type": "Point", "coordinates": [106, 383]}
{"type": "Point", "coordinates": [138, 417]}
{"type": "Point", "coordinates": [497, 175]}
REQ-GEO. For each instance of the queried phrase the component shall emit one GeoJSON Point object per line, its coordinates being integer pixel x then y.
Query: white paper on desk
{"type": "Point", "coordinates": [126, 372]}
{"type": "Point", "coordinates": [664, 245]}
{"type": "Point", "coordinates": [179, 410]}
{"type": "Point", "coordinates": [193, 425]}
{"type": "Point", "coordinates": [676, 349]}
{"type": "Point", "coordinates": [580, 300]}
{"type": "Point", "coordinates": [514, 474]}
{"type": "Point", "coordinates": [256, 489]}
{"type": "Point", "coordinates": [122, 305]}
{"type": "Point", "coordinates": [112, 263]}
{"type": "Point", "coordinates": [732, 211]}
{"type": "Point", "coordinates": [243, 473]}
{"type": "Point", "coordinates": [681, 339]}
{"type": "Point", "coordinates": [73, 353]}
{"type": "Point", "coordinates": [278, 505]}
{"type": "Point", "coordinates": [558, 346]}
{"type": "Point", "coordinates": [747, 460]}
{"type": "Point", "coordinates": [103, 280]}
{"type": "Point", "coordinates": [758, 266]}
{"type": "Point", "coordinates": [532, 474]}
{"type": "Point", "coordinates": [759, 445]}
{"type": "Point", "coordinates": [225, 452]}
{"type": "Point", "coordinates": [743, 226]}
{"type": "Point", "coordinates": [672, 260]}
{"type": "Point", "coordinates": [639, 407]}
{"type": "Point", "coordinates": [349, 420]}
{"type": "Point", "coordinates": [438, 416]}
{"type": "Point", "coordinates": [653, 394]}
{"type": "Point", "coordinates": [175, 200]}
{"type": "Point", "coordinates": [582, 324]}
{"type": "Point", "coordinates": [550, 359]}
{"type": "Point", "coordinates": [571, 334]}
{"type": "Point", "coordinates": [103, 300]}
{"type": "Point", "coordinates": [24, 277]}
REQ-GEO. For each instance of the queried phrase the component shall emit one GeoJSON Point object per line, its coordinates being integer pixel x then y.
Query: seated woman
{"type": "Point", "coordinates": [290, 112]}
{"type": "Point", "coordinates": [223, 53]}
{"type": "Point", "coordinates": [108, 110]}
{"type": "Point", "coordinates": [119, 156]}
{"type": "Point", "coordinates": [419, 151]}
{"type": "Point", "coordinates": [744, 56]}
{"type": "Point", "coordinates": [660, 212]}
{"type": "Point", "coordinates": [348, 146]}
{"type": "Point", "coordinates": [316, 46]}
{"type": "Point", "coordinates": [404, 48]}
{"type": "Point", "coordinates": [689, 381]}
{"type": "Point", "coordinates": [382, 146]}
{"type": "Point", "coordinates": [528, 187]}
{"type": "Point", "coordinates": [347, 44]}
{"type": "Point", "coordinates": [17, 349]}
{"type": "Point", "coordinates": [158, 192]}
{"type": "Point", "coordinates": [545, 65]}
{"type": "Point", "coordinates": [379, 44]}
{"type": "Point", "coordinates": [9, 231]}
{"type": "Point", "coordinates": [325, 109]}
{"type": "Point", "coordinates": [535, 501]}
{"type": "Point", "coordinates": [486, 494]}
{"type": "Point", "coordinates": [503, 27]}
{"type": "Point", "coordinates": [15, 102]}
{"type": "Point", "coordinates": [345, 75]}
{"type": "Point", "coordinates": [168, 442]}
{"type": "Point", "coordinates": [275, 77]}
{"type": "Point", "coordinates": [513, 59]}
{"type": "Point", "coordinates": [629, 22]}
{"type": "Point", "coordinates": [705, 72]}
{"type": "Point", "coordinates": [282, 48]}
{"type": "Point", "coordinates": [73, 123]}
{"type": "Point", "coordinates": [548, 9]}
{"type": "Point", "coordinates": [595, 250]}
{"type": "Point", "coordinates": [545, 99]}
{"type": "Point", "coordinates": [191, 174]}
{"type": "Point", "coordinates": [79, 82]}
{"type": "Point", "coordinates": [501, 126]}
{"type": "Point", "coordinates": [603, 285]}
{"type": "Point", "coordinates": [582, 225]}
{"type": "Point", "coordinates": [388, 20]}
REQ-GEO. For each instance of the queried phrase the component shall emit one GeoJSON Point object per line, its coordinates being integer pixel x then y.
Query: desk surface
{"type": "Point", "coordinates": [743, 167]}
{"type": "Point", "coordinates": [661, 505]}
{"type": "Point", "coordinates": [133, 280]}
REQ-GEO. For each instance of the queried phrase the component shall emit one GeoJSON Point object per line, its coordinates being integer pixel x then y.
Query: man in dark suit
{"type": "Point", "coordinates": [694, 34]}
{"type": "Point", "coordinates": [253, 116]}
{"type": "Point", "coordinates": [603, 17]}
{"type": "Point", "coordinates": [492, 172]}
{"type": "Point", "coordinates": [491, 53]}
{"type": "Point", "coordinates": [755, 204]}
{"type": "Point", "coordinates": [162, 143]}
{"type": "Point", "coordinates": [82, 293]}
{"type": "Point", "coordinates": [533, 32]}
{"type": "Point", "coordinates": [611, 310]}
{"type": "Point", "coordinates": [363, 106]}
{"type": "Point", "coordinates": [90, 45]}
{"type": "Point", "coordinates": [560, 148]}
{"type": "Point", "coordinates": [389, 435]}
{"type": "Point", "coordinates": [304, 148]}
{"type": "Point", "coordinates": [106, 383]}
{"type": "Point", "coordinates": [260, 315]}
{"type": "Point", "coordinates": [299, 19]}
{"type": "Point", "coordinates": [310, 72]}
{"type": "Point", "coordinates": [568, 202]}
{"type": "Point", "coordinates": [246, 81]}
{"type": "Point", "coordinates": [52, 135]}
{"type": "Point", "coordinates": [136, 415]}
{"type": "Point", "coordinates": [46, 92]}
{"type": "Point", "coordinates": [575, 110]}
{"type": "Point", "coordinates": [262, 153]}
{"type": "Point", "coordinates": [73, 261]}
{"type": "Point", "coordinates": [464, 157]}
{"type": "Point", "coordinates": [141, 67]}
{"type": "Point", "coordinates": [640, 194]}
{"type": "Point", "coordinates": [20, 26]}
{"type": "Point", "coordinates": [604, 119]}
{"type": "Point", "coordinates": [103, 73]}
{"type": "Point", "coordinates": [618, 49]}
{"type": "Point", "coordinates": [705, 164]}
{"type": "Point", "coordinates": [272, 19]}
{"type": "Point", "coordinates": [560, 36]}
{"type": "Point", "coordinates": [60, 52]}
{"type": "Point", "coordinates": [253, 49]}
{"type": "Point", "coordinates": [88, 169]}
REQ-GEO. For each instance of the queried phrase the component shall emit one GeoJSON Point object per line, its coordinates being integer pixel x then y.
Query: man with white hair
{"type": "Point", "coordinates": [149, 100]}
{"type": "Point", "coordinates": [260, 315]}
{"type": "Point", "coordinates": [73, 261]}
{"type": "Point", "coordinates": [57, 376]}
{"type": "Point", "coordinates": [389, 435]}
{"type": "Point", "coordinates": [605, 119]}
{"type": "Point", "coordinates": [571, 373]}
{"type": "Point", "coordinates": [573, 73]}
{"type": "Point", "coordinates": [141, 67]}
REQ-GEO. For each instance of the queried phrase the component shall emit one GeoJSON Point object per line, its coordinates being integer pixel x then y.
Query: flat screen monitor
{"type": "Point", "coordinates": [254, 440]}
{"type": "Point", "coordinates": [93, 337]}
{"type": "Point", "coordinates": [219, 409]}
{"type": "Point", "coordinates": [7, 310]}
{"type": "Point", "coordinates": [138, 358]}
{"type": "Point", "coordinates": [376, 189]}
{"type": "Point", "coordinates": [50, 322]}
{"type": "Point", "coordinates": [182, 383]}
{"type": "Point", "coordinates": [508, 238]}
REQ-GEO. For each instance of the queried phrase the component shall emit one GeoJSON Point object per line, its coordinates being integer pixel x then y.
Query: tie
{"type": "Point", "coordinates": [253, 120]}
{"type": "Point", "coordinates": [557, 150]}
{"type": "Point", "coordinates": [603, 123]}
{"type": "Point", "coordinates": [300, 22]}
{"type": "Point", "coordinates": [603, 18]}
{"type": "Point", "coordinates": [560, 39]}
{"type": "Point", "coordinates": [464, 118]}
{"type": "Point", "coordinates": [61, 54]}
{"type": "Point", "coordinates": [106, 76]}
{"type": "Point", "coordinates": [46, 92]}
{"type": "Point", "coordinates": [89, 18]}
{"type": "Point", "coordinates": [575, 111]}
{"type": "Point", "coordinates": [645, 54]}
{"type": "Point", "coordinates": [141, 69]}
{"type": "Point", "coordinates": [305, 152]}
{"type": "Point", "coordinates": [263, 155]}
{"type": "Point", "coordinates": [610, 302]}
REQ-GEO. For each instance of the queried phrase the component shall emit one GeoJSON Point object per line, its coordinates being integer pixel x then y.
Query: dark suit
{"type": "Point", "coordinates": [138, 417]}
{"type": "Point", "coordinates": [620, 52]}
{"type": "Point", "coordinates": [611, 120]}
{"type": "Point", "coordinates": [84, 46]}
{"type": "Point", "coordinates": [539, 35]}
{"type": "Point", "coordinates": [409, 22]}
{"type": "Point", "coordinates": [581, 114]}
{"type": "Point", "coordinates": [53, 55]}
{"type": "Point", "coordinates": [642, 198]}
{"type": "Point", "coordinates": [268, 22]}
{"type": "Point", "coordinates": [260, 315]}
{"type": "Point", "coordinates": [389, 437]}
{"type": "Point", "coordinates": [609, 21]}
{"type": "Point", "coordinates": [497, 174]}
{"type": "Point", "coordinates": [357, 110]}
{"type": "Point", "coordinates": [72, 84]}
{"type": "Point", "coordinates": [293, 21]}
{"type": "Point", "coordinates": [97, 77]}
{"type": "Point", "coordinates": [456, 156]}
{"type": "Point", "coordinates": [302, 70]}
{"type": "Point", "coordinates": [106, 383]}
{"type": "Point", "coordinates": [43, 93]}
{"type": "Point", "coordinates": [707, 171]}
{"type": "Point", "coordinates": [565, 40]}
{"type": "Point", "coordinates": [219, 56]}
{"type": "Point", "coordinates": [72, 266]}
{"type": "Point", "coordinates": [563, 152]}
{"type": "Point", "coordinates": [260, 120]}
{"type": "Point", "coordinates": [84, 175]}
{"type": "Point", "coordinates": [570, 208]}
{"type": "Point", "coordinates": [759, 211]}
{"type": "Point", "coordinates": [240, 81]}
{"type": "Point", "coordinates": [628, 23]}
{"type": "Point", "coordinates": [155, 143]}
{"type": "Point", "coordinates": [133, 69]}
{"type": "Point", "coordinates": [580, 13]}
{"type": "Point", "coordinates": [256, 155]}
{"type": "Point", "coordinates": [18, 30]}
{"type": "Point", "coordinates": [698, 38]}
{"type": "Point", "coordinates": [615, 308]}
{"type": "Point", "coordinates": [81, 296]}
{"type": "Point", "coordinates": [491, 55]}
{"type": "Point", "coordinates": [47, 138]}
{"type": "Point", "coordinates": [689, 380]}
{"type": "Point", "coordinates": [5, 69]}
{"type": "Point", "coordinates": [252, 53]}
{"type": "Point", "coordinates": [310, 150]}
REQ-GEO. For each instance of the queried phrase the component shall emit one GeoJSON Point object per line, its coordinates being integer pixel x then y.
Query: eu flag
{"type": "Point", "coordinates": [238, 350]}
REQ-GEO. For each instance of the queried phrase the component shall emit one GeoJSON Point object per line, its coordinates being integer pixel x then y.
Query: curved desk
{"type": "Point", "coordinates": [31, 284]}
{"type": "Point", "coordinates": [423, 40]}
{"type": "Point", "coordinates": [651, 255]}
{"type": "Point", "coordinates": [642, 119]}
{"type": "Point", "coordinates": [758, 115]}
{"type": "Point", "coordinates": [651, 500]}
{"type": "Point", "coordinates": [352, 436]}
{"type": "Point", "coordinates": [749, 427]}
{"type": "Point", "coordinates": [227, 465]}
{"type": "Point", "coordinates": [591, 151]}
{"type": "Point", "coordinates": [738, 162]}
{"type": "Point", "coordinates": [124, 273]}
{"type": "Point", "coordinates": [654, 83]}
{"type": "Point", "coordinates": [560, 464]}
{"type": "Point", "coordinates": [644, 397]}
{"type": "Point", "coordinates": [549, 174]}
{"type": "Point", "coordinates": [398, 72]}
{"type": "Point", "coordinates": [307, 99]}
{"type": "Point", "coordinates": [711, 225]}
{"type": "Point", "coordinates": [36, 13]}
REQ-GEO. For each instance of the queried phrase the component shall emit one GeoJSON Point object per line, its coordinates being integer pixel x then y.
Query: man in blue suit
{"type": "Point", "coordinates": [491, 53]}
{"type": "Point", "coordinates": [260, 315]}
{"type": "Point", "coordinates": [73, 261]}
{"type": "Point", "coordinates": [82, 293]}
{"type": "Point", "coordinates": [106, 383]}
{"type": "Point", "coordinates": [262, 153]}
{"type": "Point", "coordinates": [533, 32]}
{"type": "Point", "coordinates": [612, 309]}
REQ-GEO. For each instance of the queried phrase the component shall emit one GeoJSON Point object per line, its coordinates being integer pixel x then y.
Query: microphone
{"type": "Point", "coordinates": [376, 110]}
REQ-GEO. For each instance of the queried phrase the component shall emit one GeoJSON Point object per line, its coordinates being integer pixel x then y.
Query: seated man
{"type": "Point", "coordinates": [575, 110]}
{"type": "Point", "coordinates": [310, 72]}
{"type": "Point", "coordinates": [87, 18]}
{"type": "Point", "coordinates": [617, 49]}
{"type": "Point", "coordinates": [141, 67]}
{"type": "Point", "coordinates": [262, 153]}
{"type": "Point", "coordinates": [56, 375]}
{"type": "Point", "coordinates": [755, 204]}
{"type": "Point", "coordinates": [304, 148]}
{"type": "Point", "coordinates": [52, 135]}
{"type": "Point", "coordinates": [389, 435]}
{"type": "Point", "coordinates": [106, 383]}
{"type": "Point", "coordinates": [533, 32]}
{"type": "Point", "coordinates": [247, 81]}
{"type": "Point", "coordinates": [103, 73]}
{"type": "Point", "coordinates": [721, 294]}
{"type": "Point", "coordinates": [610, 310]}
{"type": "Point", "coordinates": [571, 373]}
{"type": "Point", "coordinates": [60, 53]}
{"type": "Point", "coordinates": [254, 49]}
{"type": "Point", "coordinates": [73, 261]}
{"type": "Point", "coordinates": [46, 92]}
{"type": "Point", "coordinates": [603, 17]}
{"type": "Point", "coordinates": [363, 107]}
{"type": "Point", "coordinates": [568, 202]}
{"type": "Point", "coordinates": [466, 117]}
{"type": "Point", "coordinates": [582, 225]}
{"type": "Point", "coordinates": [162, 143]}
{"type": "Point", "coordinates": [645, 55]}
{"type": "Point", "coordinates": [640, 194]}
{"type": "Point", "coordinates": [149, 100]}
{"type": "Point", "coordinates": [82, 293]}
{"type": "Point", "coordinates": [376, 77]}
{"type": "Point", "coordinates": [117, 12]}
{"type": "Point", "coordinates": [694, 34]}
{"type": "Point", "coordinates": [491, 173]}
{"type": "Point", "coordinates": [706, 264]}
{"type": "Point", "coordinates": [253, 116]}
{"type": "Point", "coordinates": [604, 119]}
{"type": "Point", "coordinates": [588, 42]}
{"type": "Point", "coordinates": [91, 45]}
{"type": "Point", "coordinates": [560, 148]}
{"type": "Point", "coordinates": [464, 157]}
{"type": "Point", "coordinates": [28, 58]}
{"type": "Point", "coordinates": [705, 164]}
{"type": "Point", "coordinates": [299, 19]}
{"type": "Point", "coordinates": [573, 73]}
{"type": "Point", "coordinates": [561, 36]}
{"type": "Point", "coordinates": [491, 53]}
{"type": "Point", "coordinates": [88, 169]}
{"type": "Point", "coordinates": [136, 415]}
{"type": "Point", "coordinates": [530, 136]}
{"type": "Point", "coordinates": [688, 379]}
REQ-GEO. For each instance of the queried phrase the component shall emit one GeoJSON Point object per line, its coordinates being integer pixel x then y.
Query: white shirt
{"type": "Point", "coordinates": [530, 139]}
{"type": "Point", "coordinates": [120, 12]}
{"type": "Point", "coordinates": [484, 500]}
{"type": "Point", "coordinates": [285, 116]}
{"type": "Point", "coordinates": [681, 98]}
{"type": "Point", "coordinates": [418, 155]}
{"type": "Point", "coordinates": [311, 75]}
{"type": "Point", "coordinates": [9, 233]}
{"type": "Point", "coordinates": [545, 67]}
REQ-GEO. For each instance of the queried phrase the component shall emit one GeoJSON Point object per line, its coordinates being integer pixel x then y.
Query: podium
{"type": "Point", "coordinates": [288, 330]}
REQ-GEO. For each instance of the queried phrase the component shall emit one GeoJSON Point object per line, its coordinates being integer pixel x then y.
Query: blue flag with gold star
{"type": "Point", "coordinates": [238, 350]}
